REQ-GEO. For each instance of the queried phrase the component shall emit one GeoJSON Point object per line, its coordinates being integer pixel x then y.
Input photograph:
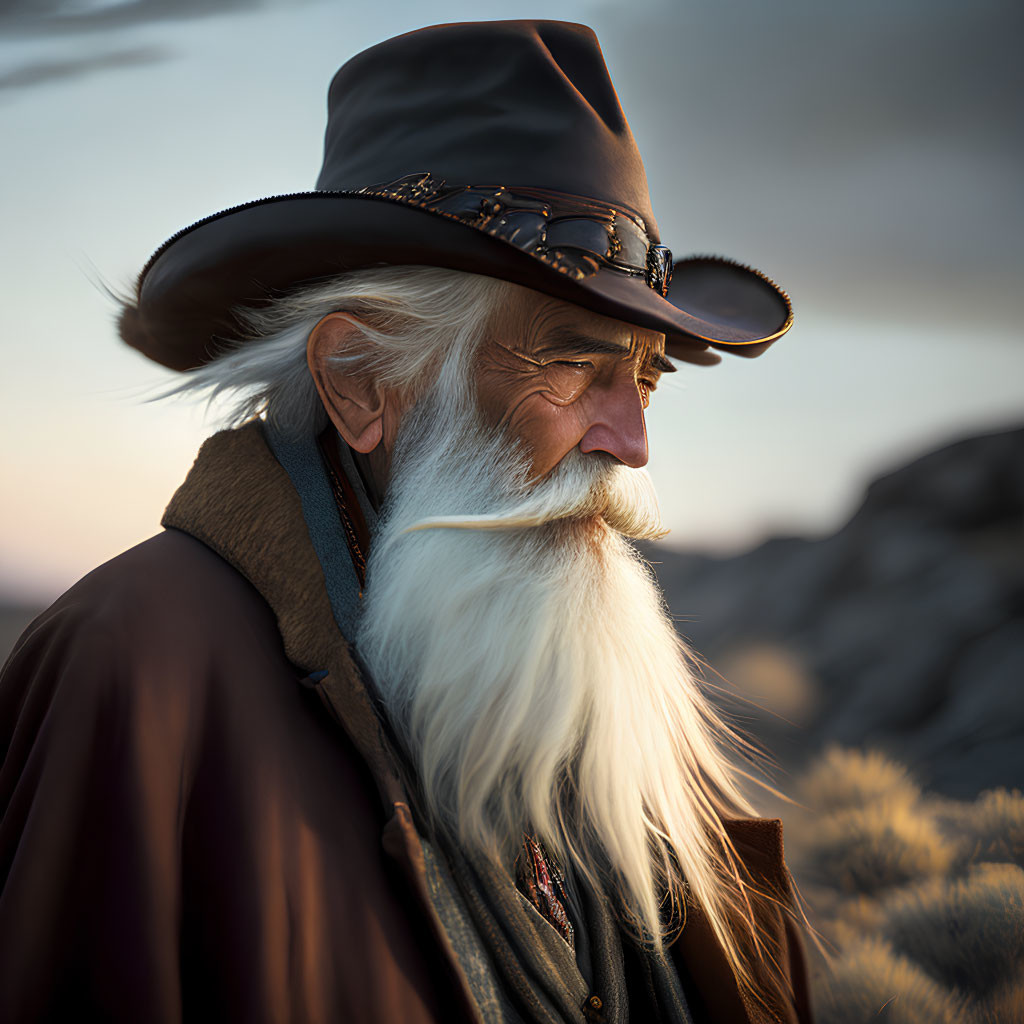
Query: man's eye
{"type": "Point", "coordinates": [577, 364]}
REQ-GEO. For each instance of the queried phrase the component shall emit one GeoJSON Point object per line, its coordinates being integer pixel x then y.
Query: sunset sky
{"type": "Point", "coordinates": [867, 156]}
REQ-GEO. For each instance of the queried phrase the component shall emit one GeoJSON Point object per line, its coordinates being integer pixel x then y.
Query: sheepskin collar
{"type": "Point", "coordinates": [239, 501]}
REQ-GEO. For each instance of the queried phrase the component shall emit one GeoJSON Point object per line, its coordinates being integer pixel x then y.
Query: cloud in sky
{"type": "Point", "coordinates": [53, 19]}
{"type": "Point", "coordinates": [58, 69]}
{"type": "Point", "coordinates": [888, 136]}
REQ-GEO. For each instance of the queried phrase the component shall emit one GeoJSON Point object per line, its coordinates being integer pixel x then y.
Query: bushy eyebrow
{"type": "Point", "coordinates": [562, 341]}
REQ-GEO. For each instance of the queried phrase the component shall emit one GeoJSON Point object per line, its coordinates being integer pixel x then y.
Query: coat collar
{"type": "Point", "coordinates": [239, 501]}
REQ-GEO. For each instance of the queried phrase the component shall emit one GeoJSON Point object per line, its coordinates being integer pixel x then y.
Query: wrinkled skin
{"type": "Point", "coordinates": [553, 375]}
{"type": "Point", "coordinates": [557, 377]}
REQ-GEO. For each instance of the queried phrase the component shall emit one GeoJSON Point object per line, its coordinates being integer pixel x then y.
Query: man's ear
{"type": "Point", "coordinates": [354, 402]}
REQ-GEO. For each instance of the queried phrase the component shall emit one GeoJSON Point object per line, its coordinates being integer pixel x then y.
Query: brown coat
{"type": "Point", "coordinates": [186, 835]}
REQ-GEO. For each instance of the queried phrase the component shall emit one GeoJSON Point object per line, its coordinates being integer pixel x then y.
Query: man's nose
{"type": "Point", "coordinates": [617, 423]}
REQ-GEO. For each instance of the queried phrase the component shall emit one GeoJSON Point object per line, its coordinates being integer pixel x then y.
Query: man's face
{"type": "Point", "coordinates": [555, 377]}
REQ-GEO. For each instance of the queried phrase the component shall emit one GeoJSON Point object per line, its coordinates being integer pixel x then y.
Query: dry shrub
{"type": "Point", "coordinates": [952, 817]}
{"type": "Point", "coordinates": [836, 920]}
{"type": "Point", "coordinates": [1005, 1005]}
{"type": "Point", "coordinates": [870, 849]}
{"type": "Point", "coordinates": [937, 884]}
{"type": "Point", "coordinates": [991, 829]}
{"type": "Point", "coordinates": [968, 933]}
{"type": "Point", "coordinates": [855, 917]}
{"type": "Point", "coordinates": [994, 828]}
{"type": "Point", "coordinates": [844, 779]}
{"type": "Point", "coordinates": [870, 982]}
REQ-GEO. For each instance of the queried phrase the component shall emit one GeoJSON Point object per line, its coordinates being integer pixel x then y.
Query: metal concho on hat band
{"type": "Point", "coordinates": [574, 235]}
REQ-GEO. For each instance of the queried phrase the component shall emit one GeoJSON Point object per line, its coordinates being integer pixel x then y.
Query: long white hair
{"type": "Point", "coordinates": [411, 319]}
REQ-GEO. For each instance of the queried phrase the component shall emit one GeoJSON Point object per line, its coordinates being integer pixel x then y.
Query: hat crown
{"type": "Point", "coordinates": [527, 103]}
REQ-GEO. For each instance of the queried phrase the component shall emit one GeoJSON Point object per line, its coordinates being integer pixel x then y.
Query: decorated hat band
{"type": "Point", "coordinates": [574, 235]}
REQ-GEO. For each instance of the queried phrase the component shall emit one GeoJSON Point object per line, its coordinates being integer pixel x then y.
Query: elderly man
{"type": "Point", "coordinates": [390, 722]}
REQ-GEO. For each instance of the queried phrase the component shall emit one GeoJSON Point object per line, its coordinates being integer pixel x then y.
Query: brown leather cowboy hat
{"type": "Point", "coordinates": [497, 148]}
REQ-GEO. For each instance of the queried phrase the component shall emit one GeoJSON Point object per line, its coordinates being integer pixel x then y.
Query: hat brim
{"type": "Point", "coordinates": [246, 256]}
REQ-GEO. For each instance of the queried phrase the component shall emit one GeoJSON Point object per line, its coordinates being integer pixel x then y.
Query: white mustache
{"type": "Point", "coordinates": [581, 487]}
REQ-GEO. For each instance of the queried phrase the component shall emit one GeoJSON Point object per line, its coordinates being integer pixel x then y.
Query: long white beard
{"type": "Point", "coordinates": [525, 655]}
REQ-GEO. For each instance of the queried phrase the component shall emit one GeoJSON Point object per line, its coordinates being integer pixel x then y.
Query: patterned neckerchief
{"type": "Point", "coordinates": [541, 882]}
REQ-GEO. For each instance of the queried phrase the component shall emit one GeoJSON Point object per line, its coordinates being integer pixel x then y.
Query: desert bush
{"type": "Point", "coordinates": [1005, 1005]}
{"type": "Point", "coordinates": [871, 982]}
{"type": "Point", "coordinates": [922, 895]}
{"type": "Point", "coordinates": [968, 933]}
{"type": "Point", "coordinates": [994, 827]}
{"type": "Point", "coordinates": [952, 818]}
{"type": "Point", "coordinates": [991, 829]}
{"type": "Point", "coordinates": [870, 849]}
{"type": "Point", "coordinates": [834, 920]}
{"type": "Point", "coordinates": [842, 779]}
{"type": "Point", "coordinates": [852, 918]}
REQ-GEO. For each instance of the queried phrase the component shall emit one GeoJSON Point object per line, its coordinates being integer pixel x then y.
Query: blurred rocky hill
{"type": "Point", "coordinates": [903, 631]}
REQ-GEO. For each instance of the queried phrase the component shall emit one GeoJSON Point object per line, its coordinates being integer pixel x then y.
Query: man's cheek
{"type": "Point", "coordinates": [547, 430]}
{"type": "Point", "coordinates": [501, 391]}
